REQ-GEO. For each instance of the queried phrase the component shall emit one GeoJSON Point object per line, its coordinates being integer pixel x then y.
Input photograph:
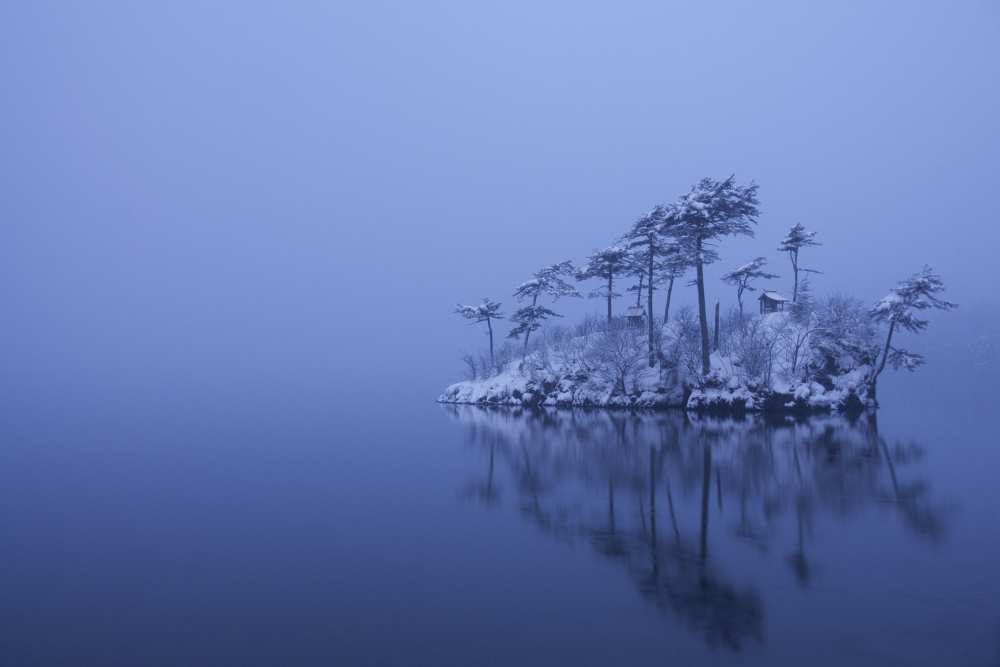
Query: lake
{"type": "Point", "coordinates": [264, 521]}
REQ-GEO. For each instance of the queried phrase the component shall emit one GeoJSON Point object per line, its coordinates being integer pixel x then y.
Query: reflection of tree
{"type": "Point", "coordinates": [626, 465]}
{"type": "Point", "coordinates": [487, 492]}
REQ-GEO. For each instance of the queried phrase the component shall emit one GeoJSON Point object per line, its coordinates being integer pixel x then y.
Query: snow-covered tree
{"type": "Point", "coordinates": [710, 211]}
{"type": "Point", "coordinates": [649, 242]}
{"type": "Point", "coordinates": [797, 239]}
{"type": "Point", "coordinates": [487, 311]}
{"type": "Point", "coordinates": [742, 277]}
{"type": "Point", "coordinates": [549, 281]}
{"type": "Point", "coordinates": [529, 319]}
{"type": "Point", "coordinates": [900, 309]}
{"type": "Point", "coordinates": [605, 265]}
{"type": "Point", "coordinates": [619, 356]}
{"type": "Point", "coordinates": [638, 287]}
{"type": "Point", "coordinates": [845, 337]}
{"type": "Point", "coordinates": [673, 266]}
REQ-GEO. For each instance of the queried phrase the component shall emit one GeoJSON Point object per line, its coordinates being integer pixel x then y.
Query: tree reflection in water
{"type": "Point", "coordinates": [609, 479]}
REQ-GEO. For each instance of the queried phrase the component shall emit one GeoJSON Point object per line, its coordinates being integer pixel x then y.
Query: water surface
{"type": "Point", "coordinates": [288, 522]}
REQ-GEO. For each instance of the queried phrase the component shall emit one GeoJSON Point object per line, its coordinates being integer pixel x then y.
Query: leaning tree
{"type": "Point", "coordinates": [742, 277]}
{"type": "Point", "coordinates": [605, 265]}
{"type": "Point", "coordinates": [797, 239]}
{"type": "Point", "coordinates": [487, 311]}
{"type": "Point", "coordinates": [550, 281]}
{"type": "Point", "coordinates": [708, 212]}
{"type": "Point", "coordinates": [899, 309]}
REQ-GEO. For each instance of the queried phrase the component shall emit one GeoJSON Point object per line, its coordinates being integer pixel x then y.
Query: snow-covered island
{"type": "Point", "coordinates": [796, 354]}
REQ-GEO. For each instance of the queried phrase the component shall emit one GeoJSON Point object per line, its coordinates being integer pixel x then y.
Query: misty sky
{"type": "Point", "coordinates": [274, 187]}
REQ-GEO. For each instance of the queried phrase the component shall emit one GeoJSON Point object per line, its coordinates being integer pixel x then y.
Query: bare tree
{"type": "Point", "coordinates": [742, 277]}
{"type": "Point", "coordinates": [619, 355]}
{"type": "Point", "coordinates": [710, 211]}
{"type": "Point", "coordinates": [899, 309]}
{"type": "Point", "coordinates": [470, 366]}
{"type": "Point", "coordinates": [487, 311]}
{"type": "Point", "coordinates": [797, 239]}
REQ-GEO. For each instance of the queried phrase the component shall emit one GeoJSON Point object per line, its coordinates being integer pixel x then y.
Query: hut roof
{"type": "Point", "coordinates": [635, 311]}
{"type": "Point", "coordinates": [773, 296]}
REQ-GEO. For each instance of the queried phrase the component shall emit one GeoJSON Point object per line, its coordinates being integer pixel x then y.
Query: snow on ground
{"type": "Point", "coordinates": [568, 374]}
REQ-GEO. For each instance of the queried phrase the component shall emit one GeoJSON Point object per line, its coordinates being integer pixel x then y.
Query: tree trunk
{"type": "Point", "coordinates": [649, 310]}
{"type": "Point", "coordinates": [715, 346]}
{"type": "Point", "coordinates": [666, 309]}
{"type": "Point", "coordinates": [638, 293]}
{"type": "Point", "coordinates": [489, 326]}
{"type": "Point", "coordinates": [885, 357]}
{"type": "Point", "coordinates": [527, 334]}
{"type": "Point", "coordinates": [702, 316]}
{"type": "Point", "coordinates": [609, 295]}
{"type": "Point", "coordinates": [795, 270]}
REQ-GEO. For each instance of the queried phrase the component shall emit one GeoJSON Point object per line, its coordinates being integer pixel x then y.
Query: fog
{"type": "Point", "coordinates": [259, 192]}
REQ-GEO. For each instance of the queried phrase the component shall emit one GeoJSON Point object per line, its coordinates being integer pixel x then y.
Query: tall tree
{"type": "Point", "coordinates": [710, 211]}
{"type": "Point", "coordinates": [899, 309]}
{"type": "Point", "coordinates": [742, 277]}
{"type": "Point", "coordinates": [548, 280]}
{"type": "Point", "coordinates": [797, 239]}
{"type": "Point", "coordinates": [640, 272]}
{"type": "Point", "coordinates": [673, 266]}
{"type": "Point", "coordinates": [649, 242]}
{"type": "Point", "coordinates": [605, 265]}
{"type": "Point", "coordinates": [487, 311]}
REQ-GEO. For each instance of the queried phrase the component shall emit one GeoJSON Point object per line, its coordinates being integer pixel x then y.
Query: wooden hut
{"type": "Point", "coordinates": [772, 302]}
{"type": "Point", "coordinates": [635, 316]}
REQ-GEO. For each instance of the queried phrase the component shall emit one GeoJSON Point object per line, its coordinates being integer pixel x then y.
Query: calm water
{"type": "Point", "coordinates": [247, 522]}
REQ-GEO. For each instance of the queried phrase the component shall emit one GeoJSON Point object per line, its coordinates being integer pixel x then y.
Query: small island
{"type": "Point", "coordinates": [791, 354]}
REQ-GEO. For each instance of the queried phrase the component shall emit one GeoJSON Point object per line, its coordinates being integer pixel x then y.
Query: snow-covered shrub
{"type": "Point", "coordinates": [619, 353]}
{"type": "Point", "coordinates": [752, 350]}
{"type": "Point", "coordinates": [685, 352]}
{"type": "Point", "coordinates": [845, 338]}
{"type": "Point", "coordinates": [471, 367]}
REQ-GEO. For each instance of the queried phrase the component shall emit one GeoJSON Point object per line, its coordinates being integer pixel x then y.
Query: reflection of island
{"type": "Point", "coordinates": [610, 480]}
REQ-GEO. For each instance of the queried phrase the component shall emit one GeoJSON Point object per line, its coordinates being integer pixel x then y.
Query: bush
{"type": "Point", "coordinates": [618, 354]}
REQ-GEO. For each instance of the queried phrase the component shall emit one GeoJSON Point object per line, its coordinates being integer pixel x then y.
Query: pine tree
{"type": "Point", "coordinates": [899, 309]}
{"type": "Point", "coordinates": [742, 277]}
{"type": "Point", "coordinates": [649, 242]}
{"type": "Point", "coordinates": [710, 211]}
{"type": "Point", "coordinates": [673, 266]}
{"type": "Point", "coordinates": [550, 281]}
{"type": "Point", "coordinates": [487, 311]}
{"type": "Point", "coordinates": [605, 265]}
{"type": "Point", "coordinates": [797, 239]}
{"type": "Point", "coordinates": [529, 319]}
